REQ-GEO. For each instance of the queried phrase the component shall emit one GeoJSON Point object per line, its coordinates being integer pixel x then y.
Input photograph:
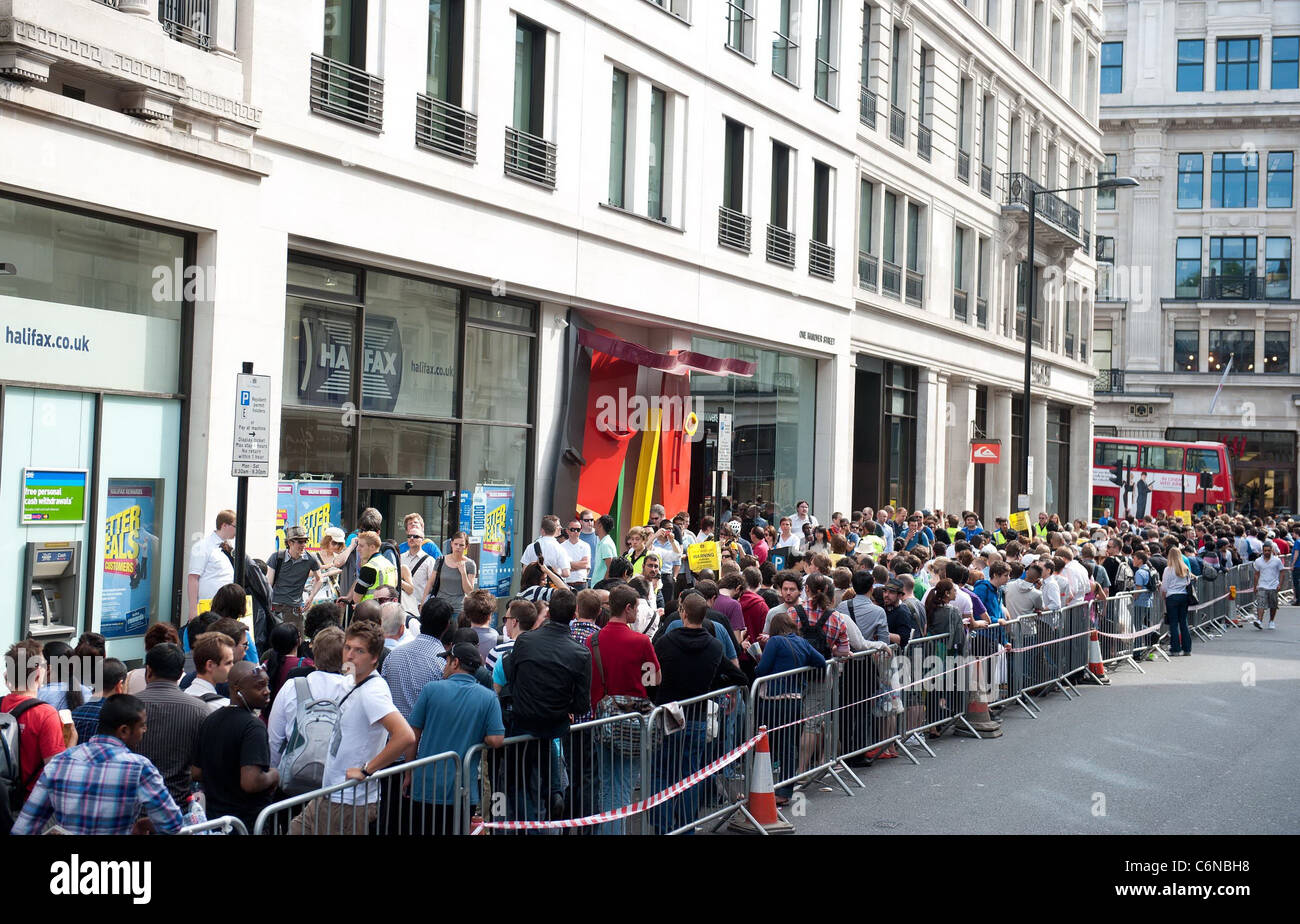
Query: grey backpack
{"type": "Point", "coordinates": [302, 765]}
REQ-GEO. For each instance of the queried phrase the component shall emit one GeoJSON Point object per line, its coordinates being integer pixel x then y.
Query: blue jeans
{"type": "Point", "coordinates": [1180, 637]}
{"type": "Point", "coordinates": [680, 755]}
{"type": "Point", "coordinates": [619, 774]}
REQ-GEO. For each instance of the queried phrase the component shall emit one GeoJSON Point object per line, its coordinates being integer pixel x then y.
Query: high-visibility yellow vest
{"type": "Point", "coordinates": [385, 574]}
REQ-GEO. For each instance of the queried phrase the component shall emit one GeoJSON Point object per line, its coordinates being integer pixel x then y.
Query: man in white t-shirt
{"type": "Point", "coordinates": [579, 557]}
{"type": "Point", "coordinates": [553, 554]}
{"type": "Point", "coordinates": [1076, 576]}
{"type": "Point", "coordinates": [1268, 578]}
{"type": "Point", "coordinates": [211, 566]}
{"type": "Point", "coordinates": [370, 736]}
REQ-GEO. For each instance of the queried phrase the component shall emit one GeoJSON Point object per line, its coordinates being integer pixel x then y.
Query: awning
{"type": "Point", "coordinates": [674, 362]}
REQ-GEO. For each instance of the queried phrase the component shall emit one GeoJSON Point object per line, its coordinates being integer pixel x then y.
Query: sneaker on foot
{"type": "Point", "coordinates": [1259, 625]}
{"type": "Point", "coordinates": [1272, 625]}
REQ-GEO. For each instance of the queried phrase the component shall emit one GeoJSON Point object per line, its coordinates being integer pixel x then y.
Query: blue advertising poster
{"type": "Point", "coordinates": [131, 548]}
{"type": "Point", "coordinates": [487, 514]}
{"type": "Point", "coordinates": [313, 505]}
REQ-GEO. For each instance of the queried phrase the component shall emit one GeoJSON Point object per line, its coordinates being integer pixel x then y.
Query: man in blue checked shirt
{"type": "Point", "coordinates": [101, 786]}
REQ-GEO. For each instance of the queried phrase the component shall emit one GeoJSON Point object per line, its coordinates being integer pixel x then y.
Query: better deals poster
{"type": "Point", "coordinates": [129, 577]}
{"type": "Point", "coordinates": [488, 514]}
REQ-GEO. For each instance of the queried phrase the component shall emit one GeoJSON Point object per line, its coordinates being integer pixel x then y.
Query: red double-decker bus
{"type": "Point", "coordinates": [1141, 477]}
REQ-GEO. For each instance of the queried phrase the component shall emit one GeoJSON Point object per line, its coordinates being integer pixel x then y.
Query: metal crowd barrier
{"type": "Point", "coordinates": [798, 708]}
{"type": "Point", "coordinates": [1118, 622]}
{"type": "Point", "coordinates": [1286, 589]}
{"type": "Point", "coordinates": [939, 679]}
{"type": "Point", "coordinates": [226, 824]}
{"type": "Point", "coordinates": [691, 734]}
{"type": "Point", "coordinates": [1205, 617]}
{"type": "Point", "coordinates": [383, 803]}
{"type": "Point", "coordinates": [869, 711]}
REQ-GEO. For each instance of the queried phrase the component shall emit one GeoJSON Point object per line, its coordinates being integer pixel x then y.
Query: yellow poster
{"type": "Point", "coordinates": [835, 559]}
{"type": "Point", "coordinates": [1020, 521]}
{"type": "Point", "coordinates": [1184, 515]}
{"type": "Point", "coordinates": [704, 556]}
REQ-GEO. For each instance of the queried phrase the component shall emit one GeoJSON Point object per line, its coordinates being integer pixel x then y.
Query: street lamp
{"type": "Point", "coordinates": [1119, 182]}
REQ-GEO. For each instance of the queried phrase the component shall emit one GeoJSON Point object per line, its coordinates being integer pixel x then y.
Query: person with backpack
{"type": "Point", "coordinates": [777, 703]}
{"type": "Point", "coordinates": [31, 732]}
{"type": "Point", "coordinates": [288, 572]}
{"type": "Point", "coordinates": [289, 727]}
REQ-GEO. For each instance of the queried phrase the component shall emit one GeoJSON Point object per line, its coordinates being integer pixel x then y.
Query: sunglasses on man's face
{"type": "Point", "coordinates": [575, 529]}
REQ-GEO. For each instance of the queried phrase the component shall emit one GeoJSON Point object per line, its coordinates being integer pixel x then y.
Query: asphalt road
{"type": "Point", "coordinates": [1186, 748]}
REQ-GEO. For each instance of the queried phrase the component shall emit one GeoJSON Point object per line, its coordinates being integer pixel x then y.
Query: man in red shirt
{"type": "Point", "coordinates": [623, 663]}
{"type": "Point", "coordinates": [40, 731]}
{"type": "Point", "coordinates": [744, 587]}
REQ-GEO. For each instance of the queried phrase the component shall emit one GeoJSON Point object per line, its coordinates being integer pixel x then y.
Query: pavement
{"type": "Point", "coordinates": [1199, 745]}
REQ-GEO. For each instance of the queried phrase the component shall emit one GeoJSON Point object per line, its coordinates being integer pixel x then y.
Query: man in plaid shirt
{"type": "Point", "coordinates": [101, 786]}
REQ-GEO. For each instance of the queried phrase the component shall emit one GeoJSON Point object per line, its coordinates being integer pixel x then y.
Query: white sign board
{"type": "Point", "coordinates": [724, 443]}
{"type": "Point", "coordinates": [251, 450]}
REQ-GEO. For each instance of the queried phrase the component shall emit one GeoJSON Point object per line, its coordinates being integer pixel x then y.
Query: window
{"type": "Point", "coordinates": [982, 283]}
{"type": "Point", "coordinates": [826, 87]}
{"type": "Point", "coordinates": [1187, 268]}
{"type": "Point", "coordinates": [1187, 349]}
{"type": "Point", "coordinates": [963, 106]}
{"type": "Point", "coordinates": [1191, 180]}
{"type": "Point", "coordinates": [991, 14]}
{"type": "Point", "coordinates": [781, 186]}
{"type": "Point", "coordinates": [914, 237]}
{"type": "Point", "coordinates": [446, 42]}
{"type": "Point", "coordinates": [1237, 64]}
{"type": "Point", "coordinates": [890, 239]}
{"type": "Point", "coordinates": [658, 154]}
{"type": "Point", "coordinates": [1277, 267]}
{"type": "Point", "coordinates": [1203, 460]}
{"type": "Point", "coordinates": [988, 121]}
{"type": "Point", "coordinates": [1039, 36]}
{"type": "Point", "coordinates": [345, 32]}
{"type": "Point", "coordinates": [740, 26]}
{"type": "Point", "coordinates": [1286, 62]}
{"type": "Point", "coordinates": [865, 77]}
{"type": "Point", "coordinates": [1278, 179]}
{"type": "Point", "coordinates": [1105, 256]}
{"type": "Point", "coordinates": [1106, 249]}
{"type": "Point", "coordinates": [618, 141]}
{"type": "Point", "coordinates": [1191, 65]}
{"type": "Point", "coordinates": [1107, 454]}
{"type": "Point", "coordinates": [785, 47]}
{"type": "Point", "coordinates": [1018, 25]}
{"type": "Point", "coordinates": [1112, 67]}
{"type": "Point", "coordinates": [1109, 170]}
{"type": "Point", "coordinates": [1076, 79]}
{"type": "Point", "coordinates": [1232, 257]}
{"type": "Point", "coordinates": [1277, 351]}
{"type": "Point", "coordinates": [822, 181]}
{"type": "Point", "coordinates": [1235, 346]}
{"type": "Point", "coordinates": [530, 77]}
{"type": "Point", "coordinates": [1162, 458]}
{"type": "Point", "coordinates": [959, 258]}
{"type": "Point", "coordinates": [867, 217]}
{"type": "Point", "coordinates": [733, 166]}
{"type": "Point", "coordinates": [679, 8]}
{"type": "Point", "coordinates": [1234, 181]}
{"type": "Point", "coordinates": [896, 76]}
{"type": "Point", "coordinates": [1054, 65]}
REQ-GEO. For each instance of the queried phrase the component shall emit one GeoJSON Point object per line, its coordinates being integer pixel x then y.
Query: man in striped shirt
{"type": "Point", "coordinates": [101, 786]}
{"type": "Point", "coordinates": [174, 718]}
{"type": "Point", "coordinates": [409, 667]}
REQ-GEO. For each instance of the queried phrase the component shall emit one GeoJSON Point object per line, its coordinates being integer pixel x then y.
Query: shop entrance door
{"type": "Point", "coordinates": [394, 498]}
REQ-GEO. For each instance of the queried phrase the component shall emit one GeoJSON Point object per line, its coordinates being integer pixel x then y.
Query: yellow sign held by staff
{"type": "Point", "coordinates": [1185, 516]}
{"type": "Point", "coordinates": [1020, 521]}
{"type": "Point", "coordinates": [704, 556]}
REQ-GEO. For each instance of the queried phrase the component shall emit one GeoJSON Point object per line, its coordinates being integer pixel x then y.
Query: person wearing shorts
{"type": "Point", "coordinates": [1268, 578]}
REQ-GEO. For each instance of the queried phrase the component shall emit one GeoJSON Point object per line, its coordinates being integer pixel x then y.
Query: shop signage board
{"type": "Point", "coordinates": [54, 497]}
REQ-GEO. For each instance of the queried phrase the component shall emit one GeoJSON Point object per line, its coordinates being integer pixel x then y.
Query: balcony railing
{"type": "Point", "coordinates": [1108, 382]}
{"type": "Point", "coordinates": [868, 271]}
{"type": "Point", "coordinates": [915, 288]}
{"type": "Point", "coordinates": [867, 105]}
{"type": "Point", "coordinates": [821, 260]}
{"type": "Point", "coordinates": [982, 312]}
{"type": "Point", "coordinates": [186, 21]}
{"type": "Point", "coordinates": [733, 229]}
{"type": "Point", "coordinates": [1049, 206]}
{"type": "Point", "coordinates": [891, 278]}
{"type": "Point", "coordinates": [963, 166]}
{"type": "Point", "coordinates": [986, 180]}
{"type": "Point", "coordinates": [343, 92]}
{"type": "Point", "coordinates": [445, 127]}
{"type": "Point", "coordinates": [780, 246]}
{"type": "Point", "coordinates": [897, 125]}
{"type": "Point", "coordinates": [530, 158]}
{"type": "Point", "coordinates": [1243, 288]}
{"type": "Point", "coordinates": [961, 305]}
{"type": "Point", "coordinates": [923, 141]}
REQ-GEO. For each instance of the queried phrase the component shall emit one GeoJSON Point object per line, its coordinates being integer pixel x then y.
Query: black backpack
{"type": "Point", "coordinates": [13, 788]}
{"type": "Point", "coordinates": [815, 633]}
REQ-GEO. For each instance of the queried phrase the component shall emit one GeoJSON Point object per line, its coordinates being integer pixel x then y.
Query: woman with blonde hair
{"type": "Point", "coordinates": [1175, 587]}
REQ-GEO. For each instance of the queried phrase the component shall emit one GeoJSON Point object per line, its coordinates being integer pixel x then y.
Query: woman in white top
{"type": "Point", "coordinates": [801, 517]}
{"type": "Point", "coordinates": [788, 538]}
{"type": "Point", "coordinates": [1174, 587]}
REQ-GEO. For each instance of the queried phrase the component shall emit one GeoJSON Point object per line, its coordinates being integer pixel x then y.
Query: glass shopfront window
{"type": "Point", "coordinates": [1058, 461]}
{"type": "Point", "coordinates": [773, 425]}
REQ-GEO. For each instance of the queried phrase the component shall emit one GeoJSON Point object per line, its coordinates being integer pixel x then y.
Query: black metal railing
{"type": "Point", "coordinates": [780, 246]}
{"type": "Point", "coordinates": [923, 141]}
{"type": "Point", "coordinates": [530, 158]}
{"type": "Point", "coordinates": [341, 91]}
{"type": "Point", "coordinates": [1050, 207]}
{"type": "Point", "coordinates": [821, 260]}
{"type": "Point", "coordinates": [1109, 382]}
{"type": "Point", "coordinates": [867, 106]}
{"type": "Point", "coordinates": [891, 278]}
{"type": "Point", "coordinates": [113, 3]}
{"type": "Point", "coordinates": [1241, 288]}
{"type": "Point", "coordinates": [868, 271]}
{"type": "Point", "coordinates": [982, 312]}
{"type": "Point", "coordinates": [445, 127]}
{"type": "Point", "coordinates": [961, 305]}
{"type": "Point", "coordinates": [986, 179]}
{"type": "Point", "coordinates": [915, 294]}
{"type": "Point", "coordinates": [733, 229]}
{"type": "Point", "coordinates": [897, 125]}
{"type": "Point", "coordinates": [963, 166]}
{"type": "Point", "coordinates": [187, 21]}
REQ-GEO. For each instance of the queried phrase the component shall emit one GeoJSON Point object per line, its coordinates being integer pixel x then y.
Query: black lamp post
{"type": "Point", "coordinates": [1121, 182]}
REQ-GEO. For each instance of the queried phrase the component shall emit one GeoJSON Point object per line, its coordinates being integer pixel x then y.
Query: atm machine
{"type": "Point", "coordinates": [52, 574]}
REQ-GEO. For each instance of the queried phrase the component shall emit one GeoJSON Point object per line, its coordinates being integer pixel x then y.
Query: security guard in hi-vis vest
{"type": "Point", "coordinates": [376, 570]}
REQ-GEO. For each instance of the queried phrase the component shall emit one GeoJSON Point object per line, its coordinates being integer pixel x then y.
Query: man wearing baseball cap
{"type": "Point", "coordinates": [288, 572]}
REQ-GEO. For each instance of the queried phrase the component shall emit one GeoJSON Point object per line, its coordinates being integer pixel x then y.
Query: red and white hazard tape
{"type": "Point", "coordinates": [635, 808]}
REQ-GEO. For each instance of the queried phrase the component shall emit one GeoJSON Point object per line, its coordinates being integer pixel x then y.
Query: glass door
{"type": "Point", "coordinates": [434, 501]}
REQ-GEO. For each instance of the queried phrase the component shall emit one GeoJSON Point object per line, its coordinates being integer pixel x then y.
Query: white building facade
{"type": "Point", "coordinates": [418, 218]}
{"type": "Point", "coordinates": [1201, 103]}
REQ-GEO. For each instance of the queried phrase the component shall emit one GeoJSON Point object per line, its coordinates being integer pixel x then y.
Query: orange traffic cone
{"type": "Point", "coordinates": [1094, 658]}
{"type": "Point", "coordinates": [979, 720]}
{"type": "Point", "coordinates": [760, 815]}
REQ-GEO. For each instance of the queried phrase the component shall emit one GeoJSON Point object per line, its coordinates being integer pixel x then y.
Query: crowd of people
{"type": "Point", "coordinates": [373, 653]}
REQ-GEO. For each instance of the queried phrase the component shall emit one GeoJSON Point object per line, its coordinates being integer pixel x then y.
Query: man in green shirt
{"type": "Point", "coordinates": [606, 549]}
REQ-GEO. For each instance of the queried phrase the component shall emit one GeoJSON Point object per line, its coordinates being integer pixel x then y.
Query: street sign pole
{"type": "Point", "coordinates": [250, 450]}
{"type": "Point", "coordinates": [241, 510]}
